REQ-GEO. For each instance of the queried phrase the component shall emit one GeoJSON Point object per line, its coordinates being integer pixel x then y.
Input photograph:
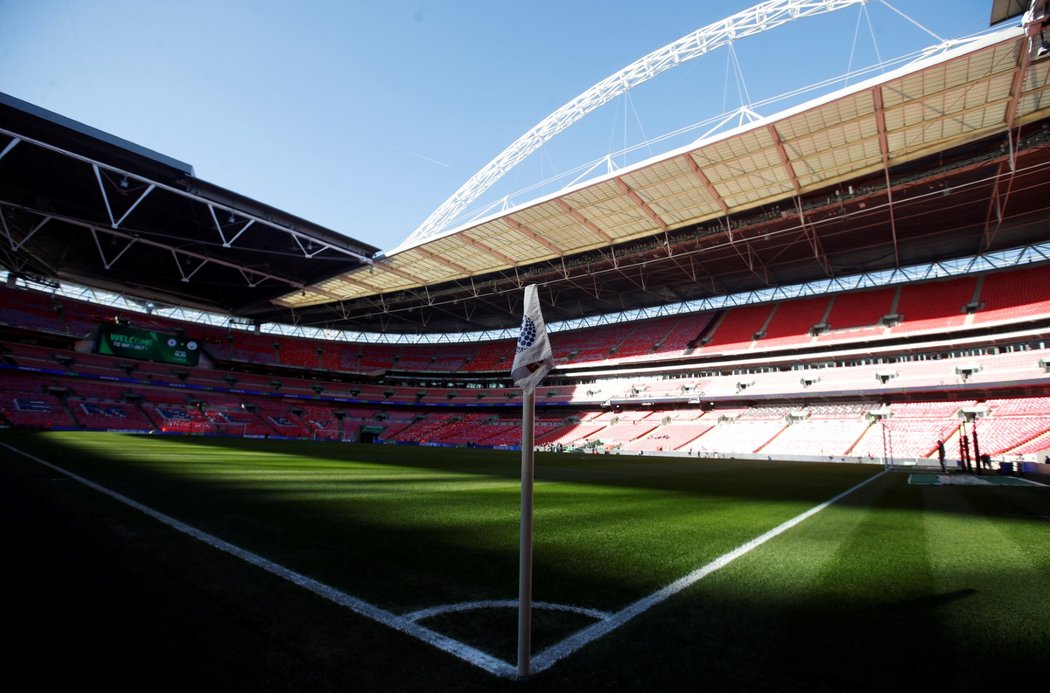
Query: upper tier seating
{"type": "Point", "coordinates": [31, 309]}
{"type": "Point", "coordinates": [792, 321]}
{"type": "Point", "coordinates": [858, 310]}
{"type": "Point", "coordinates": [934, 305]}
{"type": "Point", "coordinates": [1014, 295]}
{"type": "Point", "coordinates": [1008, 295]}
{"type": "Point", "coordinates": [738, 327]}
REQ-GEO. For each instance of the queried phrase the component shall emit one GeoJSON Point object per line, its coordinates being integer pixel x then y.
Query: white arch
{"type": "Point", "coordinates": [761, 17]}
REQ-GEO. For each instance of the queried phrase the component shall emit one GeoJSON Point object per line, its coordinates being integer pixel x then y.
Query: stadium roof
{"type": "Point", "coordinates": [81, 205]}
{"type": "Point", "coordinates": [945, 157]}
{"type": "Point", "coordinates": [966, 101]}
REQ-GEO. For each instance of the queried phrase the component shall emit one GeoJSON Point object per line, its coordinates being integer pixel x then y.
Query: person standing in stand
{"type": "Point", "coordinates": [941, 455]}
{"type": "Point", "coordinates": [966, 452]}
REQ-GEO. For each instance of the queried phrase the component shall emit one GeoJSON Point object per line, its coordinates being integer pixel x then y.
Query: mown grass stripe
{"type": "Point", "coordinates": [559, 651]}
{"type": "Point", "coordinates": [986, 545]}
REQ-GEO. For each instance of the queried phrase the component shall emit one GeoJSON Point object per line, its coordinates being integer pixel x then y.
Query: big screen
{"type": "Point", "coordinates": [148, 345]}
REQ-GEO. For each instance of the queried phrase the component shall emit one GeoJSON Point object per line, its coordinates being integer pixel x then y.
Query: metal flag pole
{"type": "Point", "coordinates": [528, 458]}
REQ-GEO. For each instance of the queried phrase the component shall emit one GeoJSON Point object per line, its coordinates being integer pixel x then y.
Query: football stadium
{"type": "Point", "coordinates": [793, 432]}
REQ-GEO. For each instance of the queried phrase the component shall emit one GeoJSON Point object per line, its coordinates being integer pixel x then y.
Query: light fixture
{"type": "Point", "coordinates": [124, 183]}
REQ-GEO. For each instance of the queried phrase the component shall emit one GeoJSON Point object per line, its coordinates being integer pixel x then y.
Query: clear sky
{"type": "Point", "coordinates": [364, 116]}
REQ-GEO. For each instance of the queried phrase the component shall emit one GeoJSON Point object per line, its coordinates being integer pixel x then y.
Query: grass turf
{"type": "Point", "coordinates": [896, 584]}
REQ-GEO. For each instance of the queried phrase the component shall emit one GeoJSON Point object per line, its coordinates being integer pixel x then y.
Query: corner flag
{"type": "Point", "coordinates": [533, 358]}
{"type": "Point", "coordinates": [532, 361]}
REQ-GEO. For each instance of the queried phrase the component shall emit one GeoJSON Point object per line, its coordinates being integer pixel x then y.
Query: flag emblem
{"type": "Point", "coordinates": [527, 337]}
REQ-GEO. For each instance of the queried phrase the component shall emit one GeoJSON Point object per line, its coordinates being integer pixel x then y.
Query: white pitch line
{"type": "Point", "coordinates": [555, 653]}
{"type": "Point", "coordinates": [465, 652]}
{"type": "Point", "coordinates": [422, 614]}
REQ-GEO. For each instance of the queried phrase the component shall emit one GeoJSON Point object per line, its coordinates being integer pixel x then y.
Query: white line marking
{"type": "Point", "coordinates": [465, 652]}
{"type": "Point", "coordinates": [990, 479]}
{"type": "Point", "coordinates": [406, 624]}
{"type": "Point", "coordinates": [422, 614]}
{"type": "Point", "coordinates": [554, 653]}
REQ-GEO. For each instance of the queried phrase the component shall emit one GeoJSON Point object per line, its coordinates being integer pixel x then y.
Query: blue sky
{"type": "Point", "coordinates": [365, 116]}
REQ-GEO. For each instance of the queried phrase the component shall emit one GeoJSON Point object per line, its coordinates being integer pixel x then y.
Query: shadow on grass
{"type": "Point", "coordinates": [99, 578]}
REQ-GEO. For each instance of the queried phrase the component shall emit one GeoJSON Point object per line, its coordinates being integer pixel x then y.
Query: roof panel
{"type": "Point", "coordinates": [1034, 101]}
{"type": "Point", "coordinates": [971, 67]}
{"type": "Point", "coordinates": [840, 111]}
{"type": "Point", "coordinates": [839, 136]}
{"type": "Point", "coordinates": [1038, 75]}
{"type": "Point", "coordinates": [1036, 83]}
{"type": "Point", "coordinates": [557, 226]}
{"type": "Point", "coordinates": [502, 236]}
{"type": "Point", "coordinates": [733, 148]}
{"type": "Point", "coordinates": [831, 164]}
{"type": "Point", "coordinates": [673, 190]}
{"type": "Point", "coordinates": [747, 165]}
{"type": "Point", "coordinates": [461, 252]}
{"type": "Point", "coordinates": [668, 169]}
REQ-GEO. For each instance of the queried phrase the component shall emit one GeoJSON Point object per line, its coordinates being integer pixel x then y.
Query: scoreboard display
{"type": "Point", "coordinates": [147, 345]}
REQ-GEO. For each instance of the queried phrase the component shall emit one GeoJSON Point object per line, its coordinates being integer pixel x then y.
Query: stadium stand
{"type": "Point", "coordinates": [619, 433]}
{"type": "Point", "coordinates": [300, 353]}
{"type": "Point", "coordinates": [739, 327]}
{"type": "Point", "coordinates": [1011, 424]}
{"type": "Point", "coordinates": [260, 385]}
{"type": "Point", "coordinates": [818, 435]}
{"type": "Point", "coordinates": [934, 305]}
{"type": "Point", "coordinates": [1013, 295]}
{"type": "Point", "coordinates": [858, 314]}
{"type": "Point", "coordinates": [647, 336]}
{"type": "Point", "coordinates": [491, 356]}
{"type": "Point", "coordinates": [35, 410]}
{"type": "Point", "coordinates": [32, 310]}
{"type": "Point", "coordinates": [669, 437]}
{"type": "Point", "coordinates": [109, 416]}
{"type": "Point", "coordinates": [738, 437]}
{"type": "Point", "coordinates": [793, 321]}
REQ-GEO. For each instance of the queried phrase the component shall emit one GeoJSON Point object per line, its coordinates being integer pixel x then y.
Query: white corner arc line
{"type": "Point", "coordinates": [550, 656]}
{"type": "Point", "coordinates": [465, 652]}
{"type": "Point", "coordinates": [421, 614]}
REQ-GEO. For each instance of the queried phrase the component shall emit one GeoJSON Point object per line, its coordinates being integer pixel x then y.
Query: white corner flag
{"type": "Point", "coordinates": [532, 361]}
{"type": "Point", "coordinates": [533, 358]}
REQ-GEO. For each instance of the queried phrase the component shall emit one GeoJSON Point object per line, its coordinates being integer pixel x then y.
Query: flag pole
{"type": "Point", "coordinates": [532, 361]}
{"type": "Point", "coordinates": [528, 458]}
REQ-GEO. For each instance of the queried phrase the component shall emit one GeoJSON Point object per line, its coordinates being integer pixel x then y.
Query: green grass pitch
{"type": "Point", "coordinates": [893, 585]}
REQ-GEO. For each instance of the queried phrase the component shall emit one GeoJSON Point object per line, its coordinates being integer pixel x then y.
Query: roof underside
{"type": "Point", "coordinates": [946, 158]}
{"type": "Point", "coordinates": [83, 206]}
